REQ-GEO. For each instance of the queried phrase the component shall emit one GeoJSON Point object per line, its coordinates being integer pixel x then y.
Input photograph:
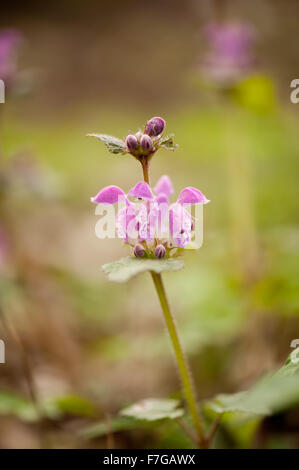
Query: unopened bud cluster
{"type": "Point", "coordinates": [145, 144]}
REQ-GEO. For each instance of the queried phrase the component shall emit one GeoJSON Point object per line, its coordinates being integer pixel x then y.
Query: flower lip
{"type": "Point", "coordinates": [154, 216]}
{"type": "Point", "coordinates": [109, 195]}
{"type": "Point", "coordinates": [10, 42]}
{"type": "Point", "coordinates": [141, 190]}
{"type": "Point", "coordinates": [192, 195]}
{"type": "Point", "coordinates": [155, 126]}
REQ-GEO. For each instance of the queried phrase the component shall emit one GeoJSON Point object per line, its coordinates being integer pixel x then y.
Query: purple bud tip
{"type": "Point", "coordinates": [146, 143]}
{"type": "Point", "coordinates": [155, 126]}
{"type": "Point", "coordinates": [131, 142]}
{"type": "Point", "coordinates": [160, 251]}
{"type": "Point", "coordinates": [139, 251]}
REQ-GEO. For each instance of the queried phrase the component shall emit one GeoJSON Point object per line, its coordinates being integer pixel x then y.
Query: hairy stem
{"type": "Point", "coordinates": [180, 359]}
{"type": "Point", "coordinates": [145, 169]}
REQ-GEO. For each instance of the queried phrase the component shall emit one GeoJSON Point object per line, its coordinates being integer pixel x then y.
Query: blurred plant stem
{"type": "Point", "coordinates": [239, 174]}
{"type": "Point", "coordinates": [12, 331]}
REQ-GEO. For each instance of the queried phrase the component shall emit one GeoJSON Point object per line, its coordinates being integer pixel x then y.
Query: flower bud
{"type": "Point", "coordinates": [155, 126]}
{"type": "Point", "coordinates": [139, 251]}
{"type": "Point", "coordinates": [146, 143]}
{"type": "Point", "coordinates": [160, 251]}
{"type": "Point", "coordinates": [131, 142]}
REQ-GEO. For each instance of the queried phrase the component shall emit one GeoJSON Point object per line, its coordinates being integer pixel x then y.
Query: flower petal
{"type": "Point", "coordinates": [164, 185]}
{"type": "Point", "coordinates": [162, 199]}
{"type": "Point", "coordinates": [144, 225]}
{"type": "Point", "coordinates": [160, 209]}
{"type": "Point", "coordinates": [109, 195]}
{"type": "Point", "coordinates": [141, 190]}
{"type": "Point", "coordinates": [192, 195]}
{"type": "Point", "coordinates": [125, 222]}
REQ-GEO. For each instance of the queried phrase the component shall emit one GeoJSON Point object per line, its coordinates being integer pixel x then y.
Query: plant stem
{"type": "Point", "coordinates": [180, 359]}
{"type": "Point", "coordinates": [187, 431]}
{"type": "Point", "coordinates": [145, 168]}
{"type": "Point", "coordinates": [214, 428]}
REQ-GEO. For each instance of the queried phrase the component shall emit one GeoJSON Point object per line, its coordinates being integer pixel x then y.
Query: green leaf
{"type": "Point", "coordinates": [272, 394]}
{"type": "Point", "coordinates": [16, 405]}
{"type": "Point", "coordinates": [153, 409]}
{"type": "Point", "coordinates": [125, 268]}
{"type": "Point", "coordinates": [113, 144]}
{"type": "Point", "coordinates": [75, 405]}
{"type": "Point", "coordinates": [256, 93]}
{"type": "Point", "coordinates": [167, 142]}
{"type": "Point", "coordinates": [116, 424]}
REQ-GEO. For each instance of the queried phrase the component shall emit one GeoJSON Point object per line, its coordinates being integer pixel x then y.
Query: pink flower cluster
{"type": "Point", "coordinates": [147, 214]}
{"type": "Point", "coordinates": [229, 55]}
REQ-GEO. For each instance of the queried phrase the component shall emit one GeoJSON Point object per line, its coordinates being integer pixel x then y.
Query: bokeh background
{"type": "Point", "coordinates": [81, 348]}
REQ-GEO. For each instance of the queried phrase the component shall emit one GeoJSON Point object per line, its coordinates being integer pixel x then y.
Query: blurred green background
{"type": "Point", "coordinates": [93, 347]}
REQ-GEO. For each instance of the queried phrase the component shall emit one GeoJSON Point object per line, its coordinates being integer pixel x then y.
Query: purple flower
{"type": "Point", "coordinates": [191, 195]}
{"type": "Point", "coordinates": [150, 215]}
{"type": "Point", "coordinates": [155, 126]}
{"type": "Point", "coordinates": [164, 186]}
{"type": "Point", "coordinates": [109, 195]}
{"type": "Point", "coordinates": [9, 43]}
{"type": "Point", "coordinates": [229, 54]}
